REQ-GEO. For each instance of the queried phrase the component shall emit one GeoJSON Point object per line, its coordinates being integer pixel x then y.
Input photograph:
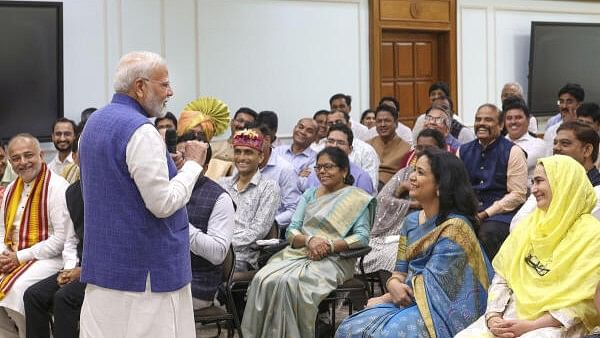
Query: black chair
{"type": "Point", "coordinates": [356, 286]}
{"type": "Point", "coordinates": [217, 315]}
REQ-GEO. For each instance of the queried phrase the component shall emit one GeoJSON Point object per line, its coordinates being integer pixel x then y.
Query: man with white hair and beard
{"type": "Point", "coordinates": [136, 261]}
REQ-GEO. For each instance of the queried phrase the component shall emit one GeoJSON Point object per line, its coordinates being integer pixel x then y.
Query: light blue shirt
{"type": "Point", "coordinates": [282, 172]}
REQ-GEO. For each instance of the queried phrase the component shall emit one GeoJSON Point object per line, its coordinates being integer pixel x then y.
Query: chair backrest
{"type": "Point", "coordinates": [229, 266]}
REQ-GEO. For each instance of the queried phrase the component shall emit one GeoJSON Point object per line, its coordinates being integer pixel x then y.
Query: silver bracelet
{"type": "Point", "coordinates": [332, 246]}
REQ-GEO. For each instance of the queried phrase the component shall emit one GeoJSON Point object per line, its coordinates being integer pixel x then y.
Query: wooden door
{"type": "Point", "coordinates": [409, 65]}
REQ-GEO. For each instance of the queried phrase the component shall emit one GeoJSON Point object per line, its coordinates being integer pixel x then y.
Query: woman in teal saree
{"type": "Point", "coordinates": [284, 295]}
{"type": "Point", "coordinates": [441, 276]}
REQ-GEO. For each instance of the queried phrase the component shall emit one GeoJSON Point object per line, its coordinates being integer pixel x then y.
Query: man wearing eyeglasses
{"type": "Point", "coordinates": [341, 136]}
{"type": "Point", "coordinates": [570, 97]}
{"type": "Point", "coordinates": [137, 250]}
{"type": "Point", "coordinates": [63, 136]}
{"type": "Point", "coordinates": [362, 153]}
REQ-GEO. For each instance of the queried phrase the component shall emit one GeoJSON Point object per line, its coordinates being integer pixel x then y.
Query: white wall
{"type": "Point", "coordinates": [493, 43]}
{"type": "Point", "coordinates": [289, 56]}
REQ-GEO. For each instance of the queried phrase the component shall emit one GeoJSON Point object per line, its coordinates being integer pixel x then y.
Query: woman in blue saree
{"type": "Point", "coordinates": [441, 275]}
{"type": "Point", "coordinates": [284, 295]}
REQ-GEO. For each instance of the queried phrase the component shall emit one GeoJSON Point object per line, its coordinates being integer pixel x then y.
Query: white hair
{"type": "Point", "coordinates": [25, 136]}
{"type": "Point", "coordinates": [514, 84]}
{"type": "Point", "coordinates": [135, 65]}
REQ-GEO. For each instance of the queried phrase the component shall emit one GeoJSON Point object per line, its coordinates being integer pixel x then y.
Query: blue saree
{"type": "Point", "coordinates": [449, 275]}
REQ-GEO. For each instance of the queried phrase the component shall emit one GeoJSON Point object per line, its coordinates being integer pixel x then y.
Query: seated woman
{"type": "Point", "coordinates": [548, 267]}
{"type": "Point", "coordinates": [284, 295]}
{"type": "Point", "coordinates": [439, 286]}
{"type": "Point", "coordinates": [393, 204]}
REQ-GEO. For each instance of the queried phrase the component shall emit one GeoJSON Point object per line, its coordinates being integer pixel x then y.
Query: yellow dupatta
{"type": "Point", "coordinates": [565, 239]}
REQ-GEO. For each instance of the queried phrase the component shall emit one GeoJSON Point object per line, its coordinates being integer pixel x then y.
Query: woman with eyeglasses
{"type": "Point", "coordinates": [284, 296]}
{"type": "Point", "coordinates": [548, 267]}
{"type": "Point", "coordinates": [441, 276]}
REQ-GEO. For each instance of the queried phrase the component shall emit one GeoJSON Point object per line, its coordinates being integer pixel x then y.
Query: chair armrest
{"type": "Point", "coordinates": [354, 253]}
{"type": "Point", "coordinates": [267, 251]}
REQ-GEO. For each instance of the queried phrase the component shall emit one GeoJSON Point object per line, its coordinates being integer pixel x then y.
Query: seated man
{"type": "Point", "coordinates": [389, 146]}
{"type": "Point", "coordinates": [34, 222]}
{"type": "Point", "coordinates": [256, 198]}
{"type": "Point", "coordinates": [580, 142]}
{"type": "Point", "coordinates": [341, 136]}
{"type": "Point", "coordinates": [60, 294]}
{"type": "Point", "coordinates": [63, 135]}
{"type": "Point", "coordinates": [498, 173]}
{"type": "Point", "coordinates": [439, 117]}
{"type": "Point", "coordinates": [515, 89]}
{"type": "Point", "coordinates": [363, 155]}
{"type": "Point", "coordinates": [300, 153]}
{"type": "Point", "coordinates": [281, 171]}
{"type": "Point", "coordinates": [210, 212]}
{"type": "Point", "coordinates": [516, 122]}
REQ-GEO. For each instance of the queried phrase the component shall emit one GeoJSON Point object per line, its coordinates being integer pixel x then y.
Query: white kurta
{"type": "Point", "coordinates": [114, 313]}
{"type": "Point", "coordinates": [47, 252]}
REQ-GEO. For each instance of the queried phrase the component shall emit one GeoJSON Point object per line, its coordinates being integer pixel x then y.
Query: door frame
{"type": "Point", "coordinates": [447, 71]}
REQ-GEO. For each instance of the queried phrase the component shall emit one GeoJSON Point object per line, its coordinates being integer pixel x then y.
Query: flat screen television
{"type": "Point", "coordinates": [31, 71]}
{"type": "Point", "coordinates": [562, 52]}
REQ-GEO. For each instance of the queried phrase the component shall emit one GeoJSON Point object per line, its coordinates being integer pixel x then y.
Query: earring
{"type": "Point", "coordinates": [437, 193]}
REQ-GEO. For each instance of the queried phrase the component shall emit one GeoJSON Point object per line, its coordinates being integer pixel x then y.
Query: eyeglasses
{"type": "Point", "coordinates": [338, 142]}
{"type": "Point", "coordinates": [164, 84]}
{"type": "Point", "coordinates": [327, 166]}
{"type": "Point", "coordinates": [436, 120]}
{"type": "Point", "coordinates": [535, 263]}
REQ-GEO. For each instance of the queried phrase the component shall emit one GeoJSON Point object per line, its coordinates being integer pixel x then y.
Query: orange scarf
{"type": "Point", "coordinates": [34, 222]}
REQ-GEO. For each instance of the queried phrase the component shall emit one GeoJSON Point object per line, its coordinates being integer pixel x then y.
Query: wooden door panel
{"type": "Point", "coordinates": [411, 71]}
{"type": "Point", "coordinates": [404, 59]}
{"type": "Point", "coordinates": [405, 93]}
{"type": "Point", "coordinates": [424, 59]}
{"type": "Point", "coordinates": [387, 60]}
{"type": "Point", "coordinates": [387, 89]}
{"type": "Point", "coordinates": [422, 95]}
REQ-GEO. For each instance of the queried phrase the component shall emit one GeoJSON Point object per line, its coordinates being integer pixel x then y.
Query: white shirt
{"type": "Point", "coordinates": [59, 225]}
{"type": "Point", "coordinates": [402, 131]}
{"type": "Point", "coordinates": [359, 130]}
{"type": "Point", "coordinates": [364, 156]}
{"type": "Point", "coordinates": [147, 164]}
{"type": "Point", "coordinates": [214, 244]}
{"type": "Point", "coordinates": [535, 149]}
{"type": "Point", "coordinates": [549, 136]}
{"type": "Point", "coordinates": [57, 166]}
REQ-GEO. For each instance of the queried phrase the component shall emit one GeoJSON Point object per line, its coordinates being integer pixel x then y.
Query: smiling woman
{"type": "Point", "coordinates": [547, 269]}
{"type": "Point", "coordinates": [441, 274]}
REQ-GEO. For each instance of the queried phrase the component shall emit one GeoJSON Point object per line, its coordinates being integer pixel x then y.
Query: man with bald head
{"type": "Point", "coordinates": [299, 153]}
{"type": "Point", "coordinates": [34, 225]}
{"type": "Point", "coordinates": [137, 255]}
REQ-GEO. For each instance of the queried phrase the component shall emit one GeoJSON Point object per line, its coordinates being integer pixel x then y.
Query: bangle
{"type": "Point", "coordinates": [307, 240]}
{"type": "Point", "coordinates": [487, 320]}
{"type": "Point", "coordinates": [390, 279]}
{"type": "Point", "coordinates": [332, 246]}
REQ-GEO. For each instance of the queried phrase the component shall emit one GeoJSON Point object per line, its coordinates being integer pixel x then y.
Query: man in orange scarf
{"type": "Point", "coordinates": [34, 223]}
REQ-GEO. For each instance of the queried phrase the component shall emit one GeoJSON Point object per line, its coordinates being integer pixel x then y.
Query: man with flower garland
{"type": "Point", "coordinates": [34, 224]}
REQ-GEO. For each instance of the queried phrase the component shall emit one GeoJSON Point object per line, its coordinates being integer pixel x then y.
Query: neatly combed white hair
{"type": "Point", "coordinates": [135, 65]}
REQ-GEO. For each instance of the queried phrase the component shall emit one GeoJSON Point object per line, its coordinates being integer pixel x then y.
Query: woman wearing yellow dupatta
{"type": "Point", "coordinates": [547, 269]}
{"type": "Point", "coordinates": [284, 295]}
